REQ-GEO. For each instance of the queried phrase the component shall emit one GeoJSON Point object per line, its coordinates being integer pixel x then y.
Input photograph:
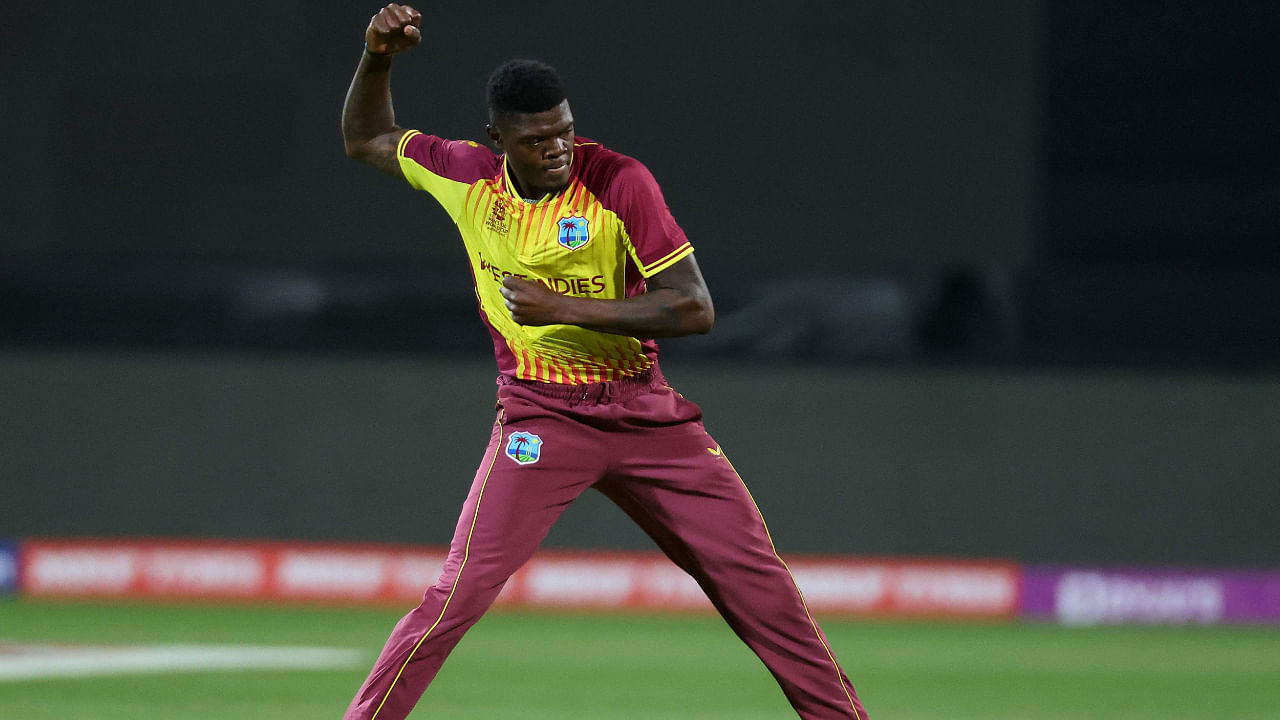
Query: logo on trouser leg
{"type": "Point", "coordinates": [525, 448]}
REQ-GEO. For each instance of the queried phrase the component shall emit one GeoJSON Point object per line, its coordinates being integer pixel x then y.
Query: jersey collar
{"type": "Point", "coordinates": [510, 185]}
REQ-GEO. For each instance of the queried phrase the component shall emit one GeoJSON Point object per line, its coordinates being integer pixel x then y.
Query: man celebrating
{"type": "Point", "coordinates": [578, 265]}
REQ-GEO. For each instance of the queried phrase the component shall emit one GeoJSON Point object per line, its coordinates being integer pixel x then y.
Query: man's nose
{"type": "Point", "coordinates": [557, 147]}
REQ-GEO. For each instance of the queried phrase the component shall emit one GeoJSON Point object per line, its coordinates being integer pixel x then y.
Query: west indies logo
{"type": "Point", "coordinates": [525, 448]}
{"type": "Point", "coordinates": [573, 232]}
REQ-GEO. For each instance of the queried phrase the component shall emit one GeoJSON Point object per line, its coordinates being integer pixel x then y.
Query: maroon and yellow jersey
{"type": "Point", "coordinates": [600, 237]}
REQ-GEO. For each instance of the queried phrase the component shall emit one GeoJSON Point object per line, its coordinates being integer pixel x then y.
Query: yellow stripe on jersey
{"type": "Point", "coordinates": [663, 263]}
{"type": "Point", "coordinates": [404, 140]}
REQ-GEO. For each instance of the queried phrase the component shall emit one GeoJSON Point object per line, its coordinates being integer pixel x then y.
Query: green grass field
{"type": "Point", "coordinates": [601, 667]}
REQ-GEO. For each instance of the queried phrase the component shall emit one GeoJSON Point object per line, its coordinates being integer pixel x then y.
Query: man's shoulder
{"type": "Point", "coordinates": [595, 152]}
{"type": "Point", "coordinates": [602, 167]}
{"type": "Point", "coordinates": [457, 159]}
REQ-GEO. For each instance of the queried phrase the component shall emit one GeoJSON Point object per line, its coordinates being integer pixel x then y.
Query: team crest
{"type": "Point", "coordinates": [525, 448]}
{"type": "Point", "coordinates": [573, 232]}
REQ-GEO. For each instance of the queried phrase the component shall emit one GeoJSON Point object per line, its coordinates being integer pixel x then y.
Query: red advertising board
{"type": "Point", "coordinates": [231, 570]}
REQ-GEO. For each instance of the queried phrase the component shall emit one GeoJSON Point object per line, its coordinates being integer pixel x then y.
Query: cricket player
{"type": "Point", "coordinates": [578, 265]}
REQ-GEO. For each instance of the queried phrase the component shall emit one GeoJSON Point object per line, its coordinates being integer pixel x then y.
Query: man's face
{"type": "Point", "coordinates": [539, 148]}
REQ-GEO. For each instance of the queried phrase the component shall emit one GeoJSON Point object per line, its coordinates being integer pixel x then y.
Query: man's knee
{"type": "Point", "coordinates": [468, 594]}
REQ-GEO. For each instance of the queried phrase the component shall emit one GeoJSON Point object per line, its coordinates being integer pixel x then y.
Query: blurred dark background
{"type": "Point", "coordinates": [998, 278]}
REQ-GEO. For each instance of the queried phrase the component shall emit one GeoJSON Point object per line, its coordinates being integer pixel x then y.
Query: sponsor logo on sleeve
{"type": "Point", "coordinates": [524, 447]}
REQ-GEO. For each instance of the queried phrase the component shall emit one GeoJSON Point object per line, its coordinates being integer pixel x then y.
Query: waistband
{"type": "Point", "coordinates": [592, 393]}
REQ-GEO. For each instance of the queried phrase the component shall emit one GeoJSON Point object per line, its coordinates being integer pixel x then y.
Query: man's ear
{"type": "Point", "coordinates": [495, 137]}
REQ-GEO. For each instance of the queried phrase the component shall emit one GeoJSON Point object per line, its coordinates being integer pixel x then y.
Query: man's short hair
{"type": "Point", "coordinates": [523, 86]}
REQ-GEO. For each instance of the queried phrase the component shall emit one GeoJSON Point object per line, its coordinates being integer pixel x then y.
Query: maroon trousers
{"type": "Point", "coordinates": [644, 446]}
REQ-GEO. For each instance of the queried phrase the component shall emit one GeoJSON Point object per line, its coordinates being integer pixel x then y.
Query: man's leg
{"type": "Point", "coordinates": [682, 491]}
{"type": "Point", "coordinates": [508, 512]}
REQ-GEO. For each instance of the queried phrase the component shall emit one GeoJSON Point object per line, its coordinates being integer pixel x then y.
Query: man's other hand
{"type": "Point", "coordinates": [532, 303]}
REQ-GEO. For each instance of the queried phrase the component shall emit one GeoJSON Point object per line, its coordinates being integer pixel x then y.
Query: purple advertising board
{"type": "Point", "coordinates": [1100, 596]}
{"type": "Point", "coordinates": [8, 567]}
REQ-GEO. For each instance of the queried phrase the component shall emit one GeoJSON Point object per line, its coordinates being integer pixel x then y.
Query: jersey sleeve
{"type": "Point", "coordinates": [653, 238]}
{"type": "Point", "coordinates": [444, 168]}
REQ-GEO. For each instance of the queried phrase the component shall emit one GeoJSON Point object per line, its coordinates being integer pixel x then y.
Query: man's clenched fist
{"type": "Point", "coordinates": [394, 28]}
{"type": "Point", "coordinates": [532, 303]}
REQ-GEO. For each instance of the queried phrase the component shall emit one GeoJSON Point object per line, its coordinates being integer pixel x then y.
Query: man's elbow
{"type": "Point", "coordinates": [704, 323]}
{"type": "Point", "coordinates": [355, 149]}
{"type": "Point", "coordinates": [703, 317]}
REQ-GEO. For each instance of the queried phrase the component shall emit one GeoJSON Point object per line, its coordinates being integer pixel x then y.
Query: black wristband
{"type": "Point", "coordinates": [366, 49]}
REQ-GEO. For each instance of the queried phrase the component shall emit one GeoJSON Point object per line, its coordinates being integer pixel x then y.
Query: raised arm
{"type": "Point", "coordinates": [369, 129]}
{"type": "Point", "coordinates": [675, 303]}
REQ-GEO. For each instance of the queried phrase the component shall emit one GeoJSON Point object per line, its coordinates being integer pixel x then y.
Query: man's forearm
{"type": "Point", "coordinates": [368, 121]}
{"type": "Point", "coordinates": [664, 312]}
{"type": "Point", "coordinates": [676, 302]}
{"type": "Point", "coordinates": [367, 112]}
{"type": "Point", "coordinates": [659, 312]}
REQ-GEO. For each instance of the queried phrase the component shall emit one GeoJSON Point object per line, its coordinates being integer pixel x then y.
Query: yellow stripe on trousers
{"type": "Point", "coordinates": [812, 623]}
{"type": "Point", "coordinates": [466, 553]}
